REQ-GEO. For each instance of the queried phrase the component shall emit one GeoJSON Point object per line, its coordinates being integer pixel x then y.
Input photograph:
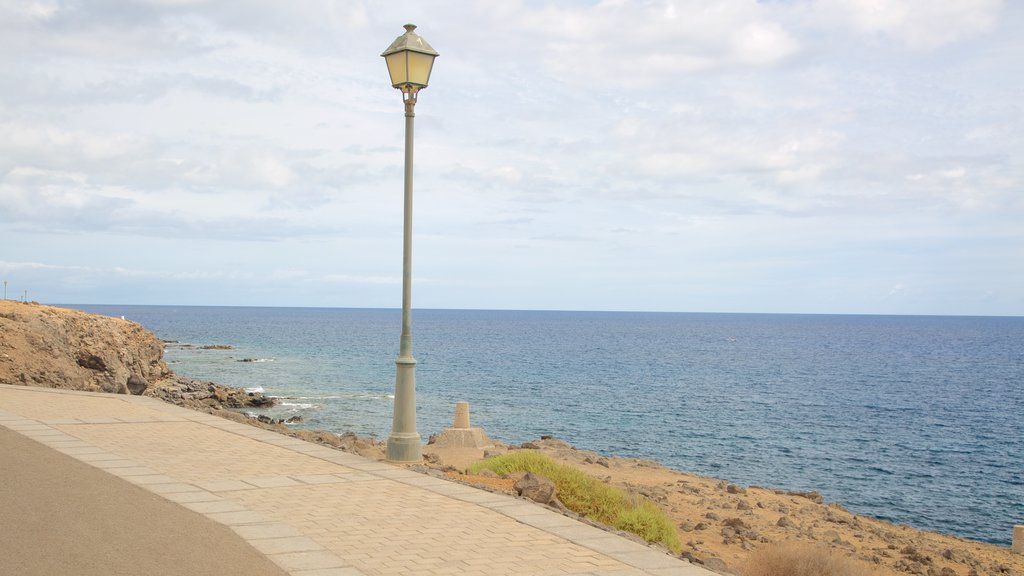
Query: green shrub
{"type": "Point", "coordinates": [590, 497]}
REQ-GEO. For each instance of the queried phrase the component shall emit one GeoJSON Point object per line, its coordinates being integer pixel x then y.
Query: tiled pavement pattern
{"type": "Point", "coordinates": [316, 511]}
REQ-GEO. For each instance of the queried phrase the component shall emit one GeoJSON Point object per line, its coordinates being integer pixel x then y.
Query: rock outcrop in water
{"type": "Point", "coordinates": [62, 348]}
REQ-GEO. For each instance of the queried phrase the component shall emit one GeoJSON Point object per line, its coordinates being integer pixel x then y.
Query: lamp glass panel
{"type": "Point", "coordinates": [397, 68]}
{"type": "Point", "coordinates": [419, 68]}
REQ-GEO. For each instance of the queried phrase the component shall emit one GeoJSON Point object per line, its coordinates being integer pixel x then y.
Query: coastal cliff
{"type": "Point", "coordinates": [55, 347]}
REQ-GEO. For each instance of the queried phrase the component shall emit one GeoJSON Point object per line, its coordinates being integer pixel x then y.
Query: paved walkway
{"type": "Point", "coordinates": [314, 511]}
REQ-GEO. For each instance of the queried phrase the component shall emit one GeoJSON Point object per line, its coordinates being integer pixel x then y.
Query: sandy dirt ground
{"type": "Point", "coordinates": [722, 523]}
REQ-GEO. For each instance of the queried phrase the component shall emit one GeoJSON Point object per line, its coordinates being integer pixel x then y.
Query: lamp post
{"type": "Point", "coordinates": [409, 60]}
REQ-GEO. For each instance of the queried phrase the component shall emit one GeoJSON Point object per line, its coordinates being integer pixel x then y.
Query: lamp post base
{"type": "Point", "coordinates": [404, 443]}
{"type": "Point", "coordinates": [404, 448]}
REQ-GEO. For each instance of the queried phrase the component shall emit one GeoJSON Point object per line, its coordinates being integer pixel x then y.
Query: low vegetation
{"type": "Point", "coordinates": [590, 497]}
{"type": "Point", "coordinates": [800, 559]}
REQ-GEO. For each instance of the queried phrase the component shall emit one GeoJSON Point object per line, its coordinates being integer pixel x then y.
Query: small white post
{"type": "Point", "coordinates": [1018, 539]}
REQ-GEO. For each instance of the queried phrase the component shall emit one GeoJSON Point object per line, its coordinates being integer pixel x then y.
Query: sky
{"type": "Point", "coordinates": [781, 156]}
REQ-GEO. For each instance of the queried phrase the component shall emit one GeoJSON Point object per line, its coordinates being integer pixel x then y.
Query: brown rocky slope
{"type": "Point", "coordinates": [721, 524]}
{"type": "Point", "coordinates": [55, 347]}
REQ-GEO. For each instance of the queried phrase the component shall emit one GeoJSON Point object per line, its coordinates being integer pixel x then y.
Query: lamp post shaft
{"type": "Point", "coordinates": [410, 116]}
{"type": "Point", "coordinates": [404, 443]}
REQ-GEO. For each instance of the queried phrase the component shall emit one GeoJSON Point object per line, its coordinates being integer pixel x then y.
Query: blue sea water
{"type": "Point", "coordinates": [916, 420]}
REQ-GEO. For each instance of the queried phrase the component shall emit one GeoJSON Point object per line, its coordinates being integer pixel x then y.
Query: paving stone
{"type": "Point", "coordinates": [271, 482]}
{"type": "Point", "coordinates": [212, 506]}
{"type": "Point", "coordinates": [306, 560]}
{"type": "Point", "coordinates": [236, 518]}
{"type": "Point", "coordinates": [264, 531]}
{"type": "Point", "coordinates": [344, 571]}
{"type": "Point", "coordinates": [279, 545]}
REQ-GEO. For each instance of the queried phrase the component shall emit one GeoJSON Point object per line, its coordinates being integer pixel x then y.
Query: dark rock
{"type": "Point", "coordinates": [914, 555]}
{"type": "Point", "coordinates": [91, 361]}
{"type": "Point", "coordinates": [257, 400]}
{"type": "Point", "coordinates": [785, 522]}
{"type": "Point", "coordinates": [294, 420]}
{"type": "Point", "coordinates": [810, 495]}
{"type": "Point", "coordinates": [734, 489]}
{"type": "Point", "coordinates": [529, 446]}
{"type": "Point", "coordinates": [737, 523]}
{"type": "Point", "coordinates": [712, 516]}
{"type": "Point", "coordinates": [217, 347]}
{"type": "Point", "coordinates": [137, 384]}
{"type": "Point", "coordinates": [716, 564]}
{"type": "Point", "coordinates": [537, 488]}
{"type": "Point", "coordinates": [743, 505]}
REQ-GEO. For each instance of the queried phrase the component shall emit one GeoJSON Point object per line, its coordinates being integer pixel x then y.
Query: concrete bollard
{"type": "Point", "coordinates": [461, 415]}
{"type": "Point", "coordinates": [1018, 539]}
{"type": "Point", "coordinates": [461, 435]}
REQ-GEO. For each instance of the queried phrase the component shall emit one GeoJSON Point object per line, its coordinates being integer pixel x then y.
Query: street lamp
{"type": "Point", "coordinates": [409, 60]}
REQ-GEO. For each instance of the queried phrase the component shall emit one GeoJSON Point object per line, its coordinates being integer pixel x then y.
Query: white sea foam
{"type": "Point", "coordinates": [255, 390]}
{"type": "Point", "coordinates": [357, 396]}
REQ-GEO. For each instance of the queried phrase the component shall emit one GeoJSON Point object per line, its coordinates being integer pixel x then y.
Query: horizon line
{"type": "Point", "coordinates": [550, 310]}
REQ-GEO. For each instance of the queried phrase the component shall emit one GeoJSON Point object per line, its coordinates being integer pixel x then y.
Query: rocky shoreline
{"type": "Point", "coordinates": [721, 523]}
{"type": "Point", "coordinates": [55, 347]}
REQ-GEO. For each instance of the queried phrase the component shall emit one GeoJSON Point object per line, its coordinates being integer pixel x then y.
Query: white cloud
{"type": "Point", "coordinates": [648, 43]}
{"type": "Point", "coordinates": [9, 267]}
{"type": "Point", "coordinates": [508, 174]}
{"type": "Point", "coordinates": [354, 279]}
{"type": "Point", "coordinates": [921, 24]}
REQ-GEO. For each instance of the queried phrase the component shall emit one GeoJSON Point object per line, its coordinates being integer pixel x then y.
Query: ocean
{"type": "Point", "coordinates": [916, 420]}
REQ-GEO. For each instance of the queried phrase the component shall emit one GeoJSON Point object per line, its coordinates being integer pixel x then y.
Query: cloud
{"type": "Point", "coordinates": [651, 42]}
{"type": "Point", "coordinates": [167, 30]}
{"type": "Point", "coordinates": [117, 271]}
{"type": "Point", "coordinates": [354, 279]}
{"type": "Point", "coordinates": [561, 147]}
{"type": "Point", "coordinates": [920, 24]}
